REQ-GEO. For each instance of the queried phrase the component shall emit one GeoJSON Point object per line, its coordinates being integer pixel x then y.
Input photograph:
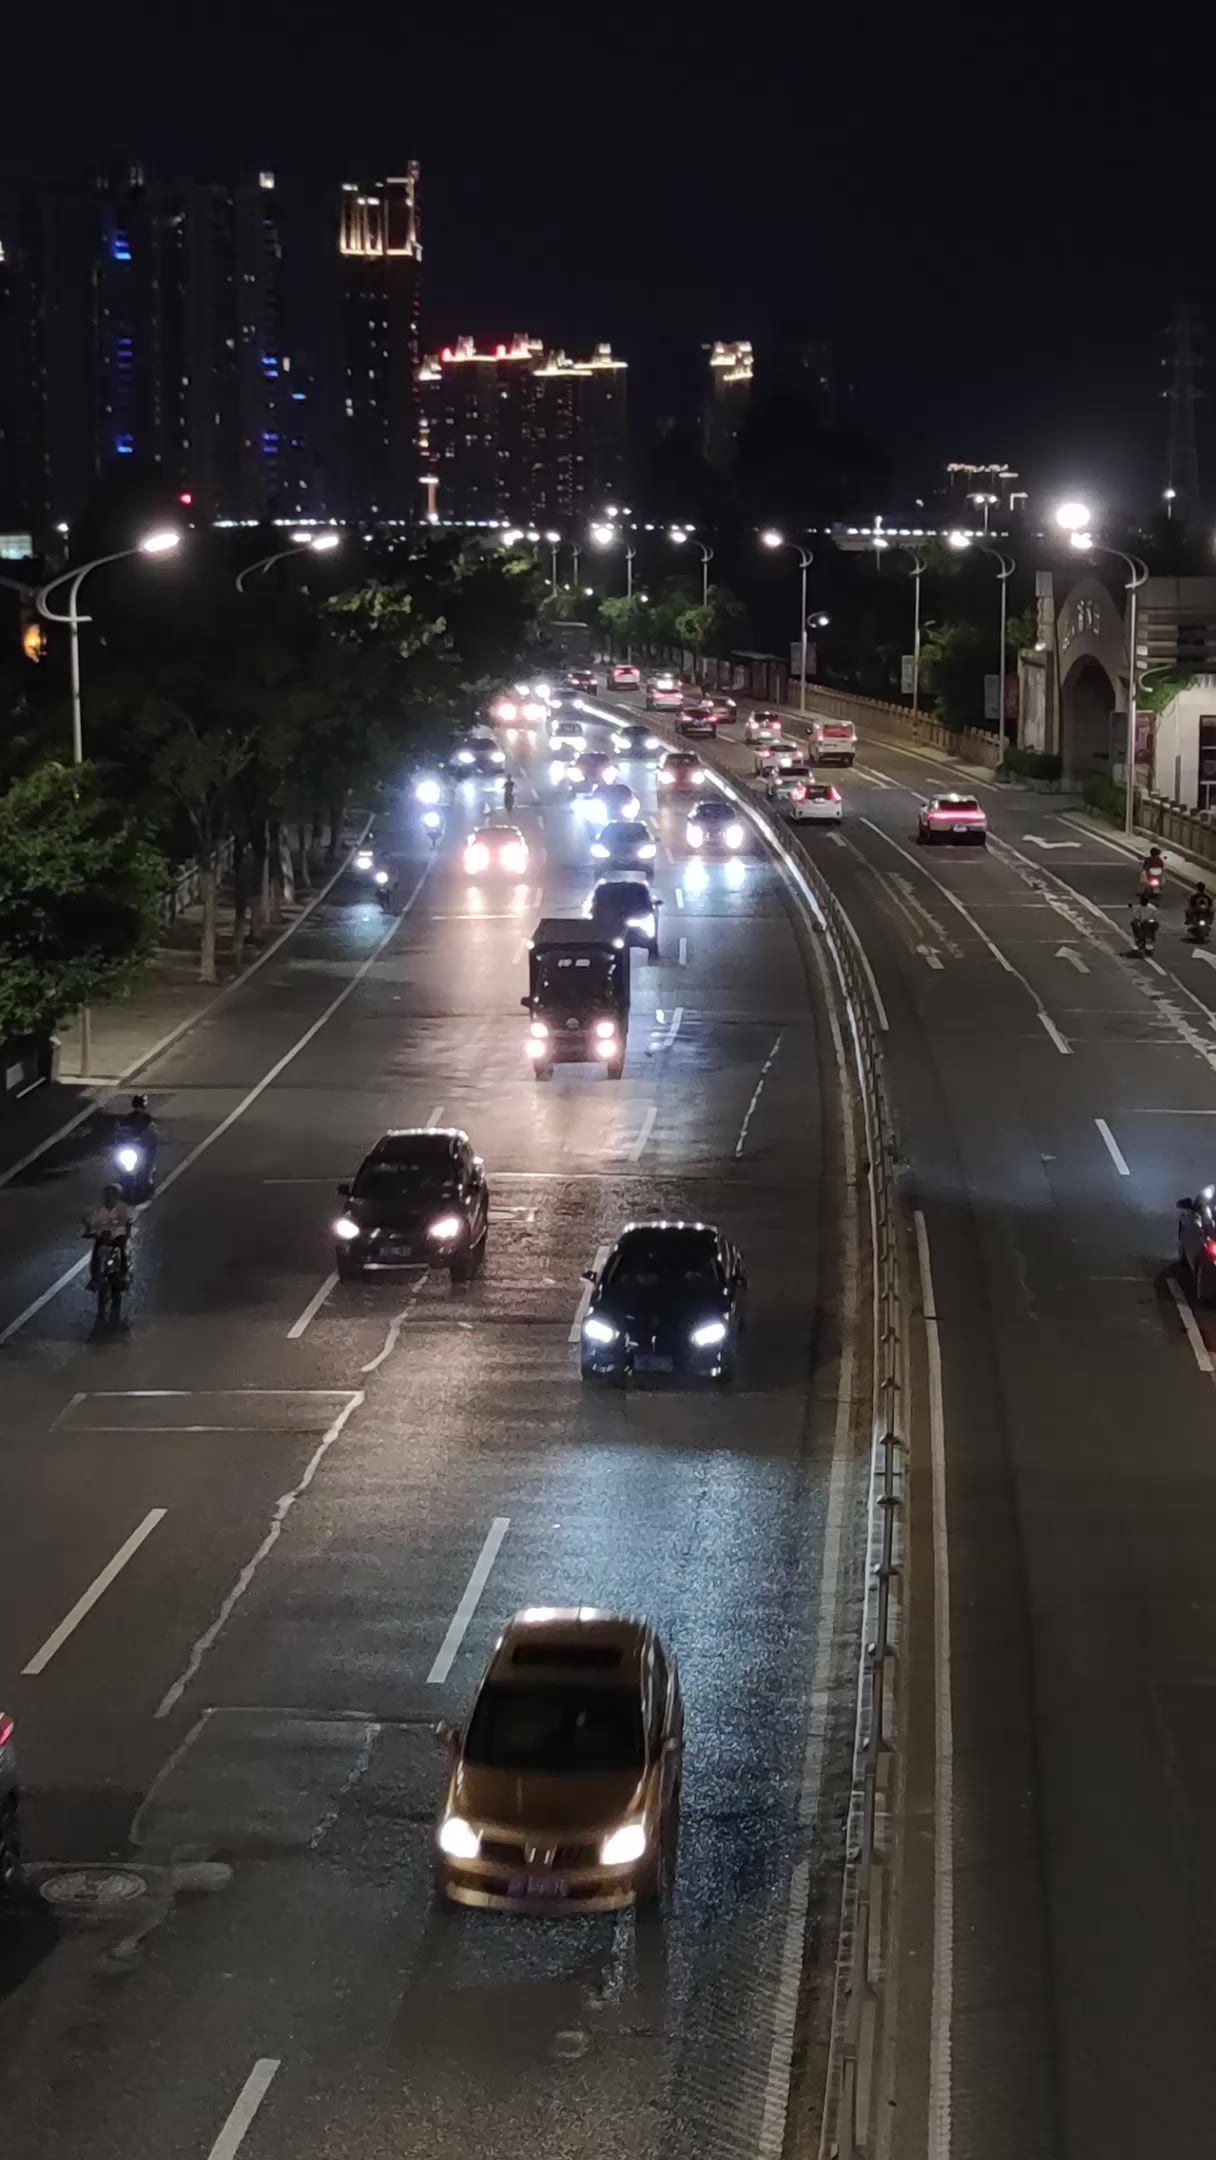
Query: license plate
{"type": "Point", "coordinates": [396, 1252]}
{"type": "Point", "coordinates": [535, 1886]}
{"type": "Point", "coordinates": [960, 831]}
{"type": "Point", "coordinates": [646, 1362]}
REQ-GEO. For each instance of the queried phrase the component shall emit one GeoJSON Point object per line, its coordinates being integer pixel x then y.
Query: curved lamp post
{"type": "Point", "coordinates": [806, 557]}
{"type": "Point", "coordinates": [960, 541]}
{"type": "Point", "coordinates": [707, 555]}
{"type": "Point", "coordinates": [322, 543]}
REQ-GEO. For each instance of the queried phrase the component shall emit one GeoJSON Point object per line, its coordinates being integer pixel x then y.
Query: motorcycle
{"type": "Point", "coordinates": [433, 826]}
{"type": "Point", "coordinates": [1152, 877]}
{"type": "Point", "coordinates": [385, 892]}
{"type": "Point", "coordinates": [111, 1280]}
{"type": "Point", "coordinates": [1144, 931]}
{"type": "Point", "coordinates": [1198, 926]}
{"type": "Point", "coordinates": [134, 1167]}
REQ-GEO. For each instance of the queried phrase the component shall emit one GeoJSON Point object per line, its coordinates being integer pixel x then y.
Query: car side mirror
{"type": "Point", "coordinates": [344, 1191]}
{"type": "Point", "coordinates": [525, 1002]}
{"type": "Point", "coordinates": [1186, 1203]}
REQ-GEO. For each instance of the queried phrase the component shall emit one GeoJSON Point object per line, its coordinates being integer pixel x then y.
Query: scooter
{"type": "Point", "coordinates": [134, 1166]}
{"type": "Point", "coordinates": [432, 821]}
{"type": "Point", "coordinates": [111, 1280]}
{"type": "Point", "coordinates": [1144, 931]}
{"type": "Point", "coordinates": [385, 893]}
{"type": "Point", "coordinates": [1198, 927]}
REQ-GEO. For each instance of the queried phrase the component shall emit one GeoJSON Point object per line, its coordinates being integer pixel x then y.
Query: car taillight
{"type": "Point", "coordinates": [1209, 1246]}
{"type": "Point", "coordinates": [6, 1730]}
{"type": "Point", "coordinates": [833, 794]}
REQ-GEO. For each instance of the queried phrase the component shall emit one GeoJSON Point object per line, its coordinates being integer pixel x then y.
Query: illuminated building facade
{"type": "Point", "coordinates": [379, 260]}
{"type": "Point", "coordinates": [728, 396]}
{"type": "Point", "coordinates": [518, 435]}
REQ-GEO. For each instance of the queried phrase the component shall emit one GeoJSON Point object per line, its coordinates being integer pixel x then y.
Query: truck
{"type": "Point", "coordinates": [578, 996]}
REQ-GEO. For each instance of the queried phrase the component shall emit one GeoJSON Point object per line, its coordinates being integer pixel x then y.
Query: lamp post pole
{"type": "Point", "coordinates": [916, 574]}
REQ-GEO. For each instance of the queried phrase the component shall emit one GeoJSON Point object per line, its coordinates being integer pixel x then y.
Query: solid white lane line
{"type": "Point", "coordinates": [1112, 1147]}
{"type": "Point", "coordinates": [580, 1314]}
{"type": "Point", "coordinates": [249, 2100]}
{"type": "Point", "coordinates": [312, 1308]}
{"type": "Point", "coordinates": [946, 894]}
{"type": "Point", "coordinates": [208, 1140]}
{"type": "Point", "coordinates": [941, 2013]}
{"type": "Point", "coordinates": [394, 1330]}
{"type": "Point", "coordinates": [1064, 1048]}
{"type": "Point", "coordinates": [97, 1589]}
{"type": "Point", "coordinates": [757, 1091]}
{"type": "Point", "coordinates": [434, 1117]}
{"type": "Point", "coordinates": [284, 1506]}
{"type": "Point", "coordinates": [469, 1602]}
{"type": "Point", "coordinates": [679, 896]}
{"type": "Point", "coordinates": [645, 1130]}
{"type": "Point", "coordinates": [1191, 1325]}
{"type": "Point", "coordinates": [682, 955]}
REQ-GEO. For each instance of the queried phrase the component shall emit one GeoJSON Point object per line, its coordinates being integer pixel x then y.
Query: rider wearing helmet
{"type": "Point", "coordinates": [110, 1224]}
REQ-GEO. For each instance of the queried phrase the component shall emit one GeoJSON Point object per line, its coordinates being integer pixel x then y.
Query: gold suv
{"type": "Point", "coordinates": [564, 1787]}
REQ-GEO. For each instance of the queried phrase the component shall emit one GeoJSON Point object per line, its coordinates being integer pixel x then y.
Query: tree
{"type": "Point", "coordinates": [79, 898]}
{"type": "Point", "coordinates": [710, 624]}
{"type": "Point", "coordinates": [954, 658]}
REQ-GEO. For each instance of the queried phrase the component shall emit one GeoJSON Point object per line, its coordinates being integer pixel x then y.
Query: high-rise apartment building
{"type": "Point", "coordinates": [516, 435]}
{"type": "Point", "coordinates": [728, 396]}
{"type": "Point", "coordinates": [380, 256]}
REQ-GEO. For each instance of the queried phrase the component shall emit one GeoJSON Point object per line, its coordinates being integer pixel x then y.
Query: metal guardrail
{"type": "Point", "coordinates": [184, 891]}
{"type": "Point", "coordinates": [857, 2034]}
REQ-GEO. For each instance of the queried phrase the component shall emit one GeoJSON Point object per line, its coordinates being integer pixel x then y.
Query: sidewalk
{"type": "Point", "coordinates": [167, 1000]}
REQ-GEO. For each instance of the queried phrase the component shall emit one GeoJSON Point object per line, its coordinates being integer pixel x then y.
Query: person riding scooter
{"type": "Point", "coordinates": [110, 1224]}
{"type": "Point", "coordinates": [134, 1153]}
{"type": "Point", "coordinates": [1199, 911]}
{"type": "Point", "coordinates": [1152, 871]}
{"type": "Point", "coordinates": [1145, 922]}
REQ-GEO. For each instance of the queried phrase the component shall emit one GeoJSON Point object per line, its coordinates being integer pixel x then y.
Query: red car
{"type": "Point", "coordinates": [953, 817]}
{"type": "Point", "coordinates": [622, 675]}
{"type": "Point", "coordinates": [680, 771]}
{"type": "Point", "coordinates": [698, 718]}
{"type": "Point", "coordinates": [582, 678]}
{"type": "Point", "coordinates": [724, 706]}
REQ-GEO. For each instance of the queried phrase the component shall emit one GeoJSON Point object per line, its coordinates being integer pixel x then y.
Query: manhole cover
{"type": "Point", "coordinates": [93, 1889]}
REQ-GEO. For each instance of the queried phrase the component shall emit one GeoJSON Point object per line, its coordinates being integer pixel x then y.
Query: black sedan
{"type": "Point", "coordinates": [668, 1299]}
{"type": "Point", "coordinates": [697, 718]}
{"type": "Point", "coordinates": [625, 844]}
{"type": "Point", "coordinates": [715, 826]}
{"type": "Point", "coordinates": [1197, 1242]}
{"type": "Point", "coordinates": [628, 908]}
{"type": "Point", "coordinates": [636, 741]}
{"type": "Point", "coordinates": [420, 1200]}
{"type": "Point", "coordinates": [477, 758]}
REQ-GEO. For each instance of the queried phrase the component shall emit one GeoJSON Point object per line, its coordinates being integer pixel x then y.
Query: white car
{"type": "Point", "coordinates": [796, 775]}
{"type": "Point", "coordinates": [773, 756]}
{"type": "Point", "coordinates": [818, 804]}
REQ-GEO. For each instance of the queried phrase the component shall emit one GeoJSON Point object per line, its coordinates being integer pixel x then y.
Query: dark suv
{"type": "Point", "coordinates": [627, 905]}
{"type": "Point", "coordinates": [420, 1200]}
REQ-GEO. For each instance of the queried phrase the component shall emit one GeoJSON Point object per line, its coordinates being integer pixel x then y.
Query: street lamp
{"type": "Point", "coordinates": [322, 543]}
{"type": "Point", "coordinates": [985, 503]}
{"type": "Point", "coordinates": [1006, 566]}
{"type": "Point", "coordinates": [153, 543]}
{"type": "Point", "coordinates": [607, 536]}
{"type": "Point", "coordinates": [707, 555]}
{"type": "Point", "coordinates": [553, 541]}
{"type": "Point", "coordinates": [1074, 519]}
{"type": "Point", "coordinates": [773, 539]}
{"type": "Point", "coordinates": [1169, 497]}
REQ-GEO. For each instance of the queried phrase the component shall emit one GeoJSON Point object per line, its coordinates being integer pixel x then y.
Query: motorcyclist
{"type": "Point", "coordinates": [139, 1124]}
{"type": "Point", "coordinates": [508, 793]}
{"type": "Point", "coordinates": [1200, 904]}
{"type": "Point", "coordinates": [110, 1224]}
{"type": "Point", "coordinates": [1145, 919]}
{"type": "Point", "coordinates": [1152, 871]}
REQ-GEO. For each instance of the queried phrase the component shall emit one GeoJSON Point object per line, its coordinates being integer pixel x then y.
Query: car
{"type": "Point", "coordinates": [715, 825]}
{"type": "Point", "coordinates": [477, 758]}
{"type": "Point", "coordinates": [419, 1199]}
{"type": "Point", "coordinates": [679, 771]}
{"type": "Point", "coordinates": [595, 767]}
{"type": "Point", "coordinates": [582, 678]}
{"type": "Point", "coordinates": [566, 733]}
{"type": "Point", "coordinates": [563, 1789]}
{"type": "Point", "coordinates": [953, 817]}
{"type": "Point", "coordinates": [495, 850]}
{"type": "Point", "coordinates": [788, 784]}
{"type": "Point", "coordinates": [771, 756]}
{"type": "Point", "coordinates": [818, 803]}
{"type": "Point", "coordinates": [624, 842]}
{"type": "Point", "coordinates": [1197, 1242]}
{"type": "Point", "coordinates": [11, 1871]}
{"type": "Point", "coordinates": [668, 1298]}
{"type": "Point", "coordinates": [615, 799]}
{"type": "Point", "coordinates": [622, 675]}
{"type": "Point", "coordinates": [697, 718]}
{"type": "Point", "coordinates": [724, 706]}
{"type": "Point", "coordinates": [635, 741]}
{"type": "Point", "coordinates": [628, 906]}
{"type": "Point", "coordinates": [762, 725]}
{"type": "Point", "coordinates": [832, 742]}
{"type": "Point", "coordinates": [664, 693]}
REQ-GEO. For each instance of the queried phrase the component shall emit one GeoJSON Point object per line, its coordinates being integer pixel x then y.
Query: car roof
{"type": "Point", "coordinates": [616, 888]}
{"type": "Point", "coordinates": [402, 1141]}
{"type": "Point", "coordinates": [558, 1643]}
{"type": "Point", "coordinates": [667, 1223]}
{"type": "Point", "coordinates": [712, 806]}
{"type": "Point", "coordinates": [962, 802]}
{"type": "Point", "coordinates": [681, 757]}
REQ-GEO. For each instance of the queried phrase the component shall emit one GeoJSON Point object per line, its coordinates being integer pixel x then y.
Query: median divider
{"type": "Point", "coordinates": [858, 2031]}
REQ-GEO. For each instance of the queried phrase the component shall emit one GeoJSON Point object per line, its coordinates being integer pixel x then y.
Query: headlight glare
{"type": "Point", "coordinates": [605, 1030]}
{"type": "Point", "coordinates": [622, 1846]}
{"type": "Point", "coordinates": [601, 1331]}
{"type": "Point", "coordinates": [458, 1839]}
{"type": "Point", "coordinates": [346, 1228]}
{"type": "Point", "coordinates": [446, 1227]}
{"type": "Point", "coordinates": [709, 1333]}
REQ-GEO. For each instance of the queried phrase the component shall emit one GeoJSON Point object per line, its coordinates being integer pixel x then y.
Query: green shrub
{"type": "Point", "coordinates": [1035, 764]}
{"type": "Point", "coordinates": [1106, 797]}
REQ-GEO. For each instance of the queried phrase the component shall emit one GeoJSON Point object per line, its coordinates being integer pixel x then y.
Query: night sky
{"type": "Point", "coordinates": [991, 215]}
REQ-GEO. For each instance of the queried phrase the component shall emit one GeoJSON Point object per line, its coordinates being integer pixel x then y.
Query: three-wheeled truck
{"type": "Point", "coordinates": [578, 996]}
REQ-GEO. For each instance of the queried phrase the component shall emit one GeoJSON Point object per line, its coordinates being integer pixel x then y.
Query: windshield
{"type": "Point", "coordinates": [577, 981]}
{"type": "Point", "coordinates": [559, 1730]}
{"type": "Point", "coordinates": [652, 1262]}
{"type": "Point", "coordinates": [399, 1181]}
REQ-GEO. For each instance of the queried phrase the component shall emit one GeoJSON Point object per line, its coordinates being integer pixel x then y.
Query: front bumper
{"type": "Point", "coordinates": [411, 1249]}
{"type": "Point", "coordinates": [628, 1360]}
{"type": "Point", "coordinates": [499, 1888]}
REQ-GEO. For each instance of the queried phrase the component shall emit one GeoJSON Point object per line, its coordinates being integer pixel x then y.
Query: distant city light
{"type": "Point", "coordinates": [1073, 516]}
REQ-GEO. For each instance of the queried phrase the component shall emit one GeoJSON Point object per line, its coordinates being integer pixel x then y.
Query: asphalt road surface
{"type": "Point", "coordinates": [1054, 1096]}
{"type": "Point", "coordinates": [254, 1545]}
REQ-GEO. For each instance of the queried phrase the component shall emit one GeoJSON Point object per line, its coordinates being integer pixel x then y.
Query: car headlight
{"type": "Point", "coordinates": [620, 743]}
{"type": "Point", "coordinates": [382, 877]}
{"type": "Point", "coordinates": [709, 1333]}
{"type": "Point", "coordinates": [458, 1839]}
{"type": "Point", "coordinates": [665, 779]}
{"type": "Point", "coordinates": [128, 1158]}
{"type": "Point", "coordinates": [446, 1227]}
{"type": "Point", "coordinates": [464, 757]}
{"type": "Point", "coordinates": [601, 1331]}
{"type": "Point", "coordinates": [633, 808]}
{"type": "Point", "coordinates": [694, 835]}
{"type": "Point", "coordinates": [538, 1030]}
{"type": "Point", "coordinates": [476, 857]}
{"type": "Point", "coordinates": [599, 851]}
{"type": "Point", "coordinates": [514, 857]}
{"type": "Point", "coordinates": [346, 1228]}
{"type": "Point", "coordinates": [622, 1846]}
{"type": "Point", "coordinates": [506, 709]}
{"type": "Point", "coordinates": [698, 779]}
{"type": "Point", "coordinates": [608, 775]}
{"type": "Point", "coordinates": [652, 742]}
{"type": "Point", "coordinates": [498, 757]}
{"type": "Point", "coordinates": [428, 791]}
{"type": "Point", "coordinates": [646, 853]}
{"type": "Point", "coordinates": [364, 859]}
{"type": "Point", "coordinates": [733, 836]}
{"type": "Point", "coordinates": [432, 820]}
{"type": "Point", "coordinates": [605, 1030]}
{"type": "Point", "coordinates": [644, 923]}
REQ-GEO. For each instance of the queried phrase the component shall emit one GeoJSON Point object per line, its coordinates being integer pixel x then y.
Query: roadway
{"type": "Point", "coordinates": [1053, 1095]}
{"type": "Point", "coordinates": [254, 1545]}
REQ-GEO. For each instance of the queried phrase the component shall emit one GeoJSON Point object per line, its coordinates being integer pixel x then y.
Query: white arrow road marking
{"type": "Point", "coordinates": [928, 954]}
{"type": "Point", "coordinates": [1065, 952]}
{"type": "Point", "coordinates": [1036, 841]}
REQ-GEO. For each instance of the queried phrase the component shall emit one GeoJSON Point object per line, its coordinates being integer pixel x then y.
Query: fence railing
{"type": "Point", "coordinates": [185, 889]}
{"type": "Point", "coordinates": [862, 1956]}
